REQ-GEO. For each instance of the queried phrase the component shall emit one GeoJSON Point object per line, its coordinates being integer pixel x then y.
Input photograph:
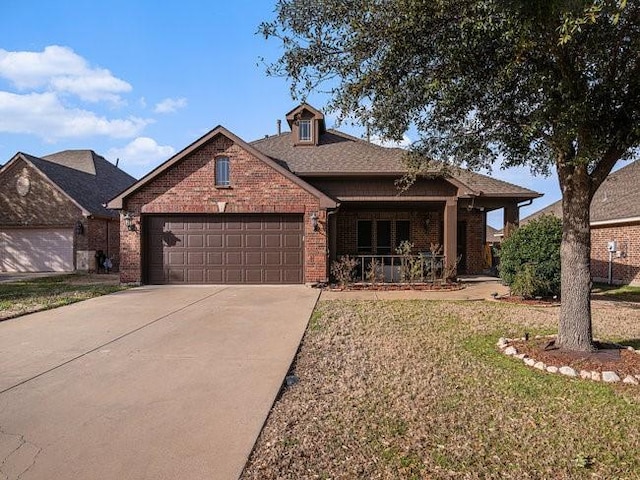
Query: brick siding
{"type": "Point", "coordinates": [45, 206]}
{"type": "Point", "coordinates": [626, 264]}
{"type": "Point", "coordinates": [475, 224]}
{"type": "Point", "coordinates": [189, 187]}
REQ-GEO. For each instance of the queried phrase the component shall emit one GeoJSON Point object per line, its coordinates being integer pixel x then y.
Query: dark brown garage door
{"type": "Point", "coordinates": [224, 249]}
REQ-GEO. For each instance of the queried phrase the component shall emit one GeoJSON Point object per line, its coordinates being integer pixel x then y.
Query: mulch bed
{"type": "Point", "coordinates": [608, 357]}
{"type": "Point", "coordinates": [386, 287]}
{"type": "Point", "coordinates": [535, 302]}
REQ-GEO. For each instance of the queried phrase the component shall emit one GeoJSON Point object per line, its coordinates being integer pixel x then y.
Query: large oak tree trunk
{"type": "Point", "coordinates": [575, 332]}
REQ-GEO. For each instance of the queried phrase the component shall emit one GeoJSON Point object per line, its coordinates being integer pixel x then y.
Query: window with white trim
{"type": "Point", "coordinates": [222, 172]}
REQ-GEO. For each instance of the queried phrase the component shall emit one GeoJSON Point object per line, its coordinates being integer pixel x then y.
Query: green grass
{"type": "Point", "coordinates": [418, 389]}
{"type": "Point", "coordinates": [625, 293]}
{"type": "Point", "coordinates": [28, 296]}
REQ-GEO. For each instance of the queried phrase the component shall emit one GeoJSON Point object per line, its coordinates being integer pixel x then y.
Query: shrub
{"type": "Point", "coordinates": [411, 268]}
{"type": "Point", "coordinates": [536, 244]}
{"type": "Point", "coordinates": [344, 269]}
{"type": "Point", "coordinates": [527, 284]}
{"type": "Point", "coordinates": [374, 273]}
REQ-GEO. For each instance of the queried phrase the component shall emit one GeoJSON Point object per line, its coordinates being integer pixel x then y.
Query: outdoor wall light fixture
{"type": "Point", "coordinates": [79, 228]}
{"type": "Point", "coordinates": [314, 221]}
{"type": "Point", "coordinates": [427, 222]}
{"type": "Point", "coordinates": [128, 221]}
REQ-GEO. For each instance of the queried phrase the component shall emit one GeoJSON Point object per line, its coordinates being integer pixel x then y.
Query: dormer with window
{"type": "Point", "coordinates": [307, 124]}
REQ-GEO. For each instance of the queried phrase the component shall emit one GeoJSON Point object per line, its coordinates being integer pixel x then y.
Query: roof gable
{"type": "Point", "coordinates": [117, 202]}
{"type": "Point", "coordinates": [83, 176]}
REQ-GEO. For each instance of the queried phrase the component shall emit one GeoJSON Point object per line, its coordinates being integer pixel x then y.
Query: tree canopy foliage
{"type": "Point", "coordinates": [528, 79]}
{"type": "Point", "coordinates": [543, 83]}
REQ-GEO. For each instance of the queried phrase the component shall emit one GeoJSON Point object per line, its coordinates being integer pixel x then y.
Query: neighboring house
{"type": "Point", "coordinates": [280, 209]}
{"type": "Point", "coordinates": [494, 236]}
{"type": "Point", "coordinates": [52, 214]}
{"type": "Point", "coordinates": [615, 225]}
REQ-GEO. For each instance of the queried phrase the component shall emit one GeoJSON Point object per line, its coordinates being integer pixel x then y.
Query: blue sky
{"type": "Point", "coordinates": [140, 80]}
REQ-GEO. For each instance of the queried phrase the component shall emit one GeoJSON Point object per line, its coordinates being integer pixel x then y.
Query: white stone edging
{"type": "Point", "coordinates": [504, 344]}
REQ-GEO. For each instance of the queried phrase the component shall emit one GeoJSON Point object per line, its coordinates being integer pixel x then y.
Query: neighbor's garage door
{"type": "Point", "coordinates": [36, 250]}
{"type": "Point", "coordinates": [224, 249]}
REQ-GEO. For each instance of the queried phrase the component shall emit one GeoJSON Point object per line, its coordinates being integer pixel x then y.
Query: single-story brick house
{"type": "Point", "coordinates": [615, 224]}
{"type": "Point", "coordinates": [280, 209]}
{"type": "Point", "coordinates": [52, 214]}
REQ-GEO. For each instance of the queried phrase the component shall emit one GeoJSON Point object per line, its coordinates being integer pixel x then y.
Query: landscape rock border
{"type": "Point", "coordinates": [506, 346]}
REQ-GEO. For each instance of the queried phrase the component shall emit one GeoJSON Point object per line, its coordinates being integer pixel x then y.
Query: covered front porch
{"type": "Point", "coordinates": [447, 237]}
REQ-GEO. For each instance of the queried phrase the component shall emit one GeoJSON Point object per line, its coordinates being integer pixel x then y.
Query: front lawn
{"type": "Point", "coordinates": [626, 293]}
{"type": "Point", "coordinates": [417, 389]}
{"type": "Point", "coordinates": [28, 296]}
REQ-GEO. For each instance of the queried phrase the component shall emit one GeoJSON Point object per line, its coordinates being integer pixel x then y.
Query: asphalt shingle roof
{"type": "Point", "coordinates": [617, 198]}
{"type": "Point", "coordinates": [619, 195]}
{"type": "Point", "coordinates": [339, 153]}
{"type": "Point", "coordinates": [86, 177]}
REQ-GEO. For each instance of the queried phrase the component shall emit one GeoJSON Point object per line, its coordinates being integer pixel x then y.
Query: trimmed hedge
{"type": "Point", "coordinates": [530, 258]}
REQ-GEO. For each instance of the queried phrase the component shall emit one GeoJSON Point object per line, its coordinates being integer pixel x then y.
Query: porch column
{"type": "Point", "coordinates": [511, 219]}
{"type": "Point", "coordinates": [451, 231]}
{"type": "Point", "coordinates": [332, 222]}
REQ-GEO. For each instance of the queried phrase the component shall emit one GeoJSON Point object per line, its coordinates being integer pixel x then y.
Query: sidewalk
{"type": "Point", "coordinates": [474, 289]}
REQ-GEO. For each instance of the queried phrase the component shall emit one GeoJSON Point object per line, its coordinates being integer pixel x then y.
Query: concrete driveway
{"type": "Point", "coordinates": [149, 383]}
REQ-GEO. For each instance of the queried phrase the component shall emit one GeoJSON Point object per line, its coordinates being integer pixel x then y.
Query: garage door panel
{"type": "Point", "coordinates": [292, 259]}
{"type": "Point", "coordinates": [176, 275]}
{"type": "Point", "coordinates": [273, 241]}
{"type": "Point", "coordinates": [234, 225]}
{"type": "Point", "coordinates": [233, 258]}
{"type": "Point", "coordinates": [292, 276]}
{"type": "Point", "coordinates": [234, 276]}
{"type": "Point", "coordinates": [254, 241]}
{"type": "Point", "coordinates": [196, 241]}
{"type": "Point", "coordinates": [253, 258]}
{"type": "Point", "coordinates": [234, 241]}
{"type": "Point", "coordinates": [229, 248]}
{"type": "Point", "coordinates": [195, 276]}
{"type": "Point", "coordinates": [272, 258]}
{"type": "Point", "coordinates": [253, 224]}
{"type": "Point", "coordinates": [215, 258]}
{"type": "Point", "coordinates": [215, 276]}
{"type": "Point", "coordinates": [174, 225]}
{"type": "Point", "coordinates": [215, 241]}
{"type": "Point", "coordinates": [292, 225]}
{"type": "Point", "coordinates": [176, 259]}
{"type": "Point", "coordinates": [273, 276]}
{"type": "Point", "coordinates": [253, 276]}
{"type": "Point", "coordinates": [196, 259]}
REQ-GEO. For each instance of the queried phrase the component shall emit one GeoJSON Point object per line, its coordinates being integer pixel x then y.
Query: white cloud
{"type": "Point", "coordinates": [141, 151]}
{"type": "Point", "coordinates": [404, 143]}
{"type": "Point", "coordinates": [60, 69]}
{"type": "Point", "coordinates": [43, 114]}
{"type": "Point", "coordinates": [170, 105]}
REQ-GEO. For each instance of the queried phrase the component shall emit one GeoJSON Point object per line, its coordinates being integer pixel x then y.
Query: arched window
{"type": "Point", "coordinates": [222, 172]}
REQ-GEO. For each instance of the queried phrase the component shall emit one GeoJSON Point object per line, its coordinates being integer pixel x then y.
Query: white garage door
{"type": "Point", "coordinates": [36, 250]}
